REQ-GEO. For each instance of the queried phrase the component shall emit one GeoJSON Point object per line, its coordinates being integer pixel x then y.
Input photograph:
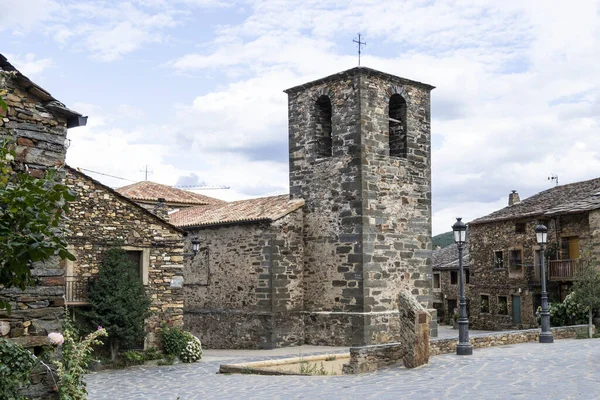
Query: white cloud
{"type": "Point", "coordinates": [28, 64]}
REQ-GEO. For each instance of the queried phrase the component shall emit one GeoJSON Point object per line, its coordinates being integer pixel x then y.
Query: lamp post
{"type": "Point", "coordinates": [464, 347]}
{"type": "Point", "coordinates": [195, 248]}
{"type": "Point", "coordinates": [541, 235]}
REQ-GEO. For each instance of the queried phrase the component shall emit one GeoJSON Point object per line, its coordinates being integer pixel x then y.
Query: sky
{"type": "Point", "coordinates": [193, 89]}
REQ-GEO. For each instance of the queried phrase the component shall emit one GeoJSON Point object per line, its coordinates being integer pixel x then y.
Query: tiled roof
{"type": "Point", "coordinates": [447, 257]}
{"type": "Point", "coordinates": [261, 209]}
{"type": "Point", "coordinates": [151, 191]}
{"type": "Point", "coordinates": [574, 197]}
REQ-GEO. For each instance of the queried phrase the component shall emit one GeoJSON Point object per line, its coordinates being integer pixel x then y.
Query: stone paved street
{"type": "Point", "coordinates": [567, 369]}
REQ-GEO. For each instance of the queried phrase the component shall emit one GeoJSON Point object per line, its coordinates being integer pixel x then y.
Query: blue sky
{"type": "Point", "coordinates": [193, 88]}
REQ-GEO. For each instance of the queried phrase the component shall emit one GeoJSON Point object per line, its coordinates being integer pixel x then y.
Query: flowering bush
{"type": "Point", "coordinates": [56, 338]}
{"type": "Point", "coordinates": [180, 343]}
{"type": "Point", "coordinates": [566, 313]}
{"type": "Point", "coordinates": [76, 355]}
{"type": "Point", "coordinates": [192, 352]}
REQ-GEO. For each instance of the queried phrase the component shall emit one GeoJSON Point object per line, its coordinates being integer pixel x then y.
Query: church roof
{"type": "Point", "coordinates": [151, 191]}
{"type": "Point", "coordinates": [355, 71]}
{"type": "Point", "coordinates": [563, 199]}
{"type": "Point", "coordinates": [253, 210]}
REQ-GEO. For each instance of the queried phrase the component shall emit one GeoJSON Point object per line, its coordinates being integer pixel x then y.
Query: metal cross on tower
{"type": "Point", "coordinates": [359, 44]}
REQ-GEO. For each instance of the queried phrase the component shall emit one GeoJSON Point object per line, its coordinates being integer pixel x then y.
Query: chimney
{"type": "Point", "coordinates": [161, 210]}
{"type": "Point", "coordinates": [513, 198]}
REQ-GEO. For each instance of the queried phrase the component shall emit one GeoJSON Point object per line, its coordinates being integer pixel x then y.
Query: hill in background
{"type": "Point", "coordinates": [443, 240]}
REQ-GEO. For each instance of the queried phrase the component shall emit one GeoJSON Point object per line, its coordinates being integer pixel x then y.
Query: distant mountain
{"type": "Point", "coordinates": [443, 240]}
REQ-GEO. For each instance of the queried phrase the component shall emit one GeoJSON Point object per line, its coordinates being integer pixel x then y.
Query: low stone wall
{"type": "Point", "coordinates": [443, 346]}
{"type": "Point", "coordinates": [370, 358]}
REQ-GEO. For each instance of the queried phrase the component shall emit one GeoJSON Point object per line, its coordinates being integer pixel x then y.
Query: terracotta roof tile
{"type": "Point", "coordinates": [260, 209]}
{"type": "Point", "coordinates": [151, 191]}
{"type": "Point", "coordinates": [574, 197]}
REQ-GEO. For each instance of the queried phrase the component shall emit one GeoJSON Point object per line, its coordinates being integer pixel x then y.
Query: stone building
{"type": "Point", "coordinates": [325, 264]}
{"type": "Point", "coordinates": [36, 124]}
{"type": "Point", "coordinates": [99, 218]}
{"type": "Point", "coordinates": [505, 257]}
{"type": "Point", "coordinates": [446, 291]}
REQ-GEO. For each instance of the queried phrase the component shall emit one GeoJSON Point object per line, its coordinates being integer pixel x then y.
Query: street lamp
{"type": "Point", "coordinates": [541, 235]}
{"type": "Point", "coordinates": [195, 248]}
{"type": "Point", "coordinates": [464, 347]}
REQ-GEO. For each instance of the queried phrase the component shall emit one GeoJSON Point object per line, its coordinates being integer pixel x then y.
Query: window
{"type": "Point", "coordinates": [467, 276]}
{"type": "Point", "coordinates": [323, 127]}
{"type": "Point", "coordinates": [520, 227]}
{"type": "Point", "coordinates": [516, 262]}
{"type": "Point", "coordinates": [502, 305]}
{"type": "Point", "coordinates": [141, 261]}
{"type": "Point", "coordinates": [498, 259]}
{"type": "Point", "coordinates": [485, 303]}
{"type": "Point", "coordinates": [436, 281]}
{"type": "Point", "coordinates": [453, 277]}
{"type": "Point", "coordinates": [135, 256]}
{"type": "Point", "coordinates": [398, 138]}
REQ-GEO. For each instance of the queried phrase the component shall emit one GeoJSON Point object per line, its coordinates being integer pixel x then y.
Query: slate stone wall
{"type": "Point", "coordinates": [99, 218]}
{"type": "Point", "coordinates": [488, 279]}
{"type": "Point", "coordinates": [244, 288]}
{"type": "Point", "coordinates": [38, 136]}
{"type": "Point", "coordinates": [367, 218]}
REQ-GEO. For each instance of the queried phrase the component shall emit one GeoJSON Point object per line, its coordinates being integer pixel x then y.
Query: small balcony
{"type": "Point", "coordinates": [562, 270]}
{"type": "Point", "coordinates": [76, 289]}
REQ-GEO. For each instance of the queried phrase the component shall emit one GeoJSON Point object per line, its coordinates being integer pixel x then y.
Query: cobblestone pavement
{"type": "Point", "coordinates": [567, 369]}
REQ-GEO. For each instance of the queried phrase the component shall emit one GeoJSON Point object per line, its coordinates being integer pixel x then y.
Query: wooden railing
{"type": "Point", "coordinates": [76, 289]}
{"type": "Point", "coordinates": [562, 270]}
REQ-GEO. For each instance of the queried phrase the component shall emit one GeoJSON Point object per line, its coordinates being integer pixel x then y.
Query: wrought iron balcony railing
{"type": "Point", "coordinates": [76, 289]}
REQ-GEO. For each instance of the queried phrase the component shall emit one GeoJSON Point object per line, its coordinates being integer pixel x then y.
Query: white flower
{"type": "Point", "coordinates": [56, 338]}
{"type": "Point", "coordinates": [9, 157]}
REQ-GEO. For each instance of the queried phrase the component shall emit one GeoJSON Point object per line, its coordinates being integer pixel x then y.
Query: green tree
{"type": "Point", "coordinates": [586, 289]}
{"type": "Point", "coordinates": [31, 210]}
{"type": "Point", "coordinates": [118, 300]}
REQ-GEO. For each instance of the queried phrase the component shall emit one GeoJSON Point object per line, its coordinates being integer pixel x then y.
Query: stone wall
{"type": "Point", "coordinates": [444, 346]}
{"type": "Point", "coordinates": [414, 330]}
{"type": "Point", "coordinates": [493, 281]}
{"type": "Point", "coordinates": [38, 136]}
{"type": "Point", "coordinates": [100, 218]}
{"type": "Point", "coordinates": [367, 225]}
{"type": "Point", "coordinates": [244, 288]}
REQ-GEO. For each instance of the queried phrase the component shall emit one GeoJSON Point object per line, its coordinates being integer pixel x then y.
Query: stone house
{"type": "Point", "coordinates": [99, 218]}
{"type": "Point", "coordinates": [505, 257]}
{"type": "Point", "coordinates": [325, 264]}
{"type": "Point", "coordinates": [36, 123]}
{"type": "Point", "coordinates": [446, 292]}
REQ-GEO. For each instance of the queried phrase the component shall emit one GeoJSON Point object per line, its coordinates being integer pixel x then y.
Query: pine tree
{"type": "Point", "coordinates": [118, 300]}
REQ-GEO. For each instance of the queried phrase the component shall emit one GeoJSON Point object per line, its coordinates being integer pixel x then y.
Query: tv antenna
{"type": "Point", "coordinates": [146, 171]}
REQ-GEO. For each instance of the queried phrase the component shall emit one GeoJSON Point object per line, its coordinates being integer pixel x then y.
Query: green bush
{"type": "Point", "coordinates": [16, 364]}
{"type": "Point", "coordinates": [566, 313]}
{"type": "Point", "coordinates": [174, 339]}
{"type": "Point", "coordinates": [182, 344]}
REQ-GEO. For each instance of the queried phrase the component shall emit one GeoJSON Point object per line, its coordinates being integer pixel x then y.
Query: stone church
{"type": "Point", "coordinates": [323, 265]}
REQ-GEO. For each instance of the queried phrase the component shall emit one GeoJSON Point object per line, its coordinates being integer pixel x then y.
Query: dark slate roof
{"type": "Point", "coordinates": [447, 257]}
{"type": "Point", "coordinates": [74, 118]}
{"type": "Point", "coordinates": [571, 198]}
{"type": "Point", "coordinates": [242, 211]}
